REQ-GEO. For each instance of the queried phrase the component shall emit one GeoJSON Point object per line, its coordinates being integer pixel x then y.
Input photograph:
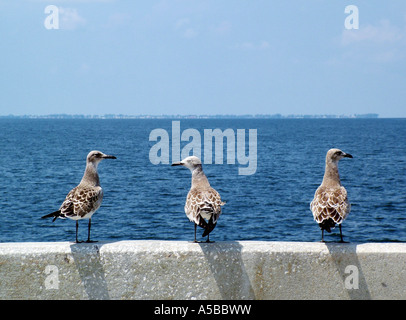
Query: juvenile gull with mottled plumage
{"type": "Point", "coordinates": [203, 203]}
{"type": "Point", "coordinates": [84, 200]}
{"type": "Point", "coordinates": [330, 205]}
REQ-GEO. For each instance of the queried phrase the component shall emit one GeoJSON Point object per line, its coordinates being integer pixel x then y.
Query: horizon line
{"type": "Point", "coordinates": [193, 116]}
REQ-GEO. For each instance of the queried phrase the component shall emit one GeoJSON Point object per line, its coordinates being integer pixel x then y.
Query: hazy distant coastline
{"type": "Point", "coordinates": [164, 116]}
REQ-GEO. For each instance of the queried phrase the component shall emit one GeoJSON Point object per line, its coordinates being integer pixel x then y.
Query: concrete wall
{"type": "Point", "coordinates": [184, 270]}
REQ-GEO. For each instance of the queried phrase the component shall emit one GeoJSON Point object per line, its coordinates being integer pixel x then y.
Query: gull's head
{"type": "Point", "coordinates": [97, 156]}
{"type": "Point", "coordinates": [335, 155]}
{"type": "Point", "coordinates": [190, 162]}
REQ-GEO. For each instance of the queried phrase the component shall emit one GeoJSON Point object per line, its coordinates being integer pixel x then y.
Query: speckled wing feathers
{"type": "Point", "coordinates": [330, 203]}
{"type": "Point", "coordinates": [81, 201]}
{"type": "Point", "coordinates": [204, 203]}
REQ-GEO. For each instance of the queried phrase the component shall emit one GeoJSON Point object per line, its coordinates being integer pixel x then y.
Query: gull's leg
{"type": "Point", "coordinates": [88, 232]}
{"type": "Point", "coordinates": [208, 239]}
{"type": "Point", "coordinates": [195, 232]}
{"type": "Point", "coordinates": [341, 234]}
{"type": "Point", "coordinates": [77, 228]}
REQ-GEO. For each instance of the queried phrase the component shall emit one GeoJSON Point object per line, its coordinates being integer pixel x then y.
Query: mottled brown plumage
{"type": "Point", "coordinates": [330, 205]}
{"type": "Point", "coordinates": [203, 203]}
{"type": "Point", "coordinates": [81, 202]}
{"type": "Point", "coordinates": [84, 200]}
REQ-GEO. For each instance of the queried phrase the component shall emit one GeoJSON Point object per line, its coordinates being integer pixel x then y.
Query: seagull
{"type": "Point", "coordinates": [330, 205]}
{"type": "Point", "coordinates": [203, 203]}
{"type": "Point", "coordinates": [84, 200]}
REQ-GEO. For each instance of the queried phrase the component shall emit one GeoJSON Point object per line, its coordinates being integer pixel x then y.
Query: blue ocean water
{"type": "Point", "coordinates": [42, 159]}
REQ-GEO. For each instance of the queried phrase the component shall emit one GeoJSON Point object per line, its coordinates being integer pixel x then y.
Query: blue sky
{"type": "Point", "coordinates": [203, 57]}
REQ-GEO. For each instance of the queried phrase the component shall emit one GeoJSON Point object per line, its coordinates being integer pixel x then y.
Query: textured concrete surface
{"type": "Point", "coordinates": [184, 270]}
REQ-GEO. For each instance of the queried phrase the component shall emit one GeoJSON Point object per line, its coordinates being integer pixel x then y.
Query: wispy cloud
{"type": "Point", "coordinates": [183, 26]}
{"type": "Point", "coordinates": [118, 19]}
{"type": "Point", "coordinates": [248, 45]}
{"type": "Point", "coordinates": [382, 42]}
{"type": "Point", "coordinates": [384, 32]}
{"type": "Point", "coordinates": [70, 19]}
{"type": "Point", "coordinates": [222, 28]}
{"type": "Point", "coordinates": [180, 23]}
{"type": "Point", "coordinates": [190, 33]}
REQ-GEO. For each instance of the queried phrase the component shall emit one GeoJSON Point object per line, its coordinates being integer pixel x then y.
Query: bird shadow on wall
{"type": "Point", "coordinates": [227, 267]}
{"type": "Point", "coordinates": [90, 268]}
{"type": "Point", "coordinates": [349, 267]}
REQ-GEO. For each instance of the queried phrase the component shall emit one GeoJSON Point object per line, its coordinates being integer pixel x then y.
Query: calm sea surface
{"type": "Point", "coordinates": [42, 159]}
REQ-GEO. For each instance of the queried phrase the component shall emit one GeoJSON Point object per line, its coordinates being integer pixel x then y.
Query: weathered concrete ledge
{"type": "Point", "coordinates": [184, 270]}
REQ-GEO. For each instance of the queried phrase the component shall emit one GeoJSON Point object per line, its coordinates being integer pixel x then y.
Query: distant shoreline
{"type": "Point", "coordinates": [225, 116]}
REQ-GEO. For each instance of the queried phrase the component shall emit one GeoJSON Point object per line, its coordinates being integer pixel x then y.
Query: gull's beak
{"type": "Point", "coordinates": [347, 155]}
{"type": "Point", "coordinates": [177, 164]}
{"type": "Point", "coordinates": [106, 156]}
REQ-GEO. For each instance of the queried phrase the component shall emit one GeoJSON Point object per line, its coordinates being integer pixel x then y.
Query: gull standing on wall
{"type": "Point", "coordinates": [203, 203]}
{"type": "Point", "coordinates": [84, 200]}
{"type": "Point", "coordinates": [330, 205]}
